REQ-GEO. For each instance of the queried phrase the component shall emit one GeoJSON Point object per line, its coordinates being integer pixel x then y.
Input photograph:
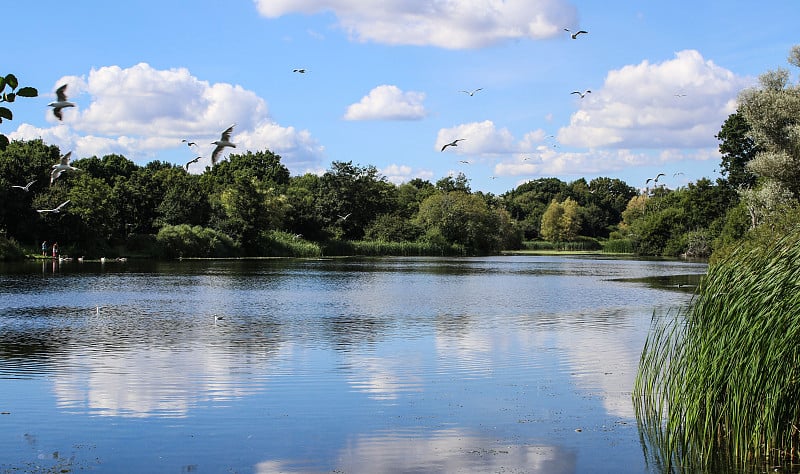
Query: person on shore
{"type": "Point", "coordinates": [55, 249]}
{"type": "Point", "coordinates": [44, 248]}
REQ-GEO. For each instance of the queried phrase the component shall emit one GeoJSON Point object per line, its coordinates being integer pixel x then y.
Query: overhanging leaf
{"type": "Point", "coordinates": [5, 113]}
{"type": "Point", "coordinates": [3, 142]}
{"type": "Point", "coordinates": [12, 81]}
{"type": "Point", "coordinates": [28, 92]}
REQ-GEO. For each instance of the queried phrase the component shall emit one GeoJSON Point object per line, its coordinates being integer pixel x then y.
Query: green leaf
{"type": "Point", "coordinates": [2, 83]}
{"type": "Point", "coordinates": [5, 114]}
{"type": "Point", "coordinates": [9, 97]}
{"type": "Point", "coordinates": [28, 92]}
{"type": "Point", "coordinates": [3, 142]}
{"type": "Point", "coordinates": [12, 81]}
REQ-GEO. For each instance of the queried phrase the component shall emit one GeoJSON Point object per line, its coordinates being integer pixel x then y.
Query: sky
{"type": "Point", "coordinates": [387, 83]}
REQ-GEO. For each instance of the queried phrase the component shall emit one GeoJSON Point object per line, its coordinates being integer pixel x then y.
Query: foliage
{"type": "Point", "coordinates": [737, 148]}
{"type": "Point", "coordinates": [724, 374]}
{"type": "Point", "coordinates": [194, 241]}
{"type": "Point", "coordinates": [10, 81]}
{"type": "Point", "coordinates": [10, 249]}
{"type": "Point", "coordinates": [561, 221]}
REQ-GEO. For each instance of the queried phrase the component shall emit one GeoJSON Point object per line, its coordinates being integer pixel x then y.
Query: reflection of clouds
{"type": "Point", "coordinates": [150, 381]}
{"type": "Point", "coordinates": [450, 450]}
{"type": "Point", "coordinates": [384, 378]}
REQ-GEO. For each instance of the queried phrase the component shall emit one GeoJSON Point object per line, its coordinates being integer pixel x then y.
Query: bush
{"type": "Point", "coordinates": [10, 249]}
{"type": "Point", "coordinates": [619, 246]}
{"type": "Point", "coordinates": [184, 240]}
{"type": "Point", "coordinates": [283, 244]}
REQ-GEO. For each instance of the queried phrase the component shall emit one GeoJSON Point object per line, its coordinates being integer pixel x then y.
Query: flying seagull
{"type": "Point", "coordinates": [453, 143]}
{"type": "Point", "coordinates": [655, 180]}
{"type": "Point", "coordinates": [61, 102]}
{"type": "Point", "coordinates": [60, 167]}
{"type": "Point", "coordinates": [582, 94]}
{"type": "Point", "coordinates": [575, 35]}
{"type": "Point", "coordinates": [191, 161]}
{"type": "Point", "coordinates": [301, 71]}
{"type": "Point", "coordinates": [466, 162]}
{"type": "Point", "coordinates": [26, 188]}
{"type": "Point", "coordinates": [472, 92]}
{"type": "Point", "coordinates": [225, 140]}
{"type": "Point", "coordinates": [188, 143]}
{"type": "Point", "coordinates": [56, 210]}
{"type": "Point", "coordinates": [344, 217]}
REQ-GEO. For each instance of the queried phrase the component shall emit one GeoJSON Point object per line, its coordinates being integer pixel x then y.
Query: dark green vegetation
{"type": "Point", "coordinates": [249, 205]}
{"type": "Point", "coordinates": [719, 382]}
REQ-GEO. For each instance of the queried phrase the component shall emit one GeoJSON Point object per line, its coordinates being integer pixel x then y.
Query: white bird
{"type": "Point", "coordinates": [26, 188]}
{"type": "Point", "coordinates": [225, 140]}
{"type": "Point", "coordinates": [62, 166]}
{"type": "Point", "coordinates": [301, 71]}
{"type": "Point", "coordinates": [453, 143]}
{"type": "Point", "coordinates": [582, 94]}
{"type": "Point", "coordinates": [575, 35]}
{"type": "Point", "coordinates": [466, 162]}
{"type": "Point", "coordinates": [56, 210]}
{"type": "Point", "coordinates": [472, 92]}
{"type": "Point", "coordinates": [188, 143]}
{"type": "Point", "coordinates": [344, 217]}
{"type": "Point", "coordinates": [655, 180]}
{"type": "Point", "coordinates": [61, 102]}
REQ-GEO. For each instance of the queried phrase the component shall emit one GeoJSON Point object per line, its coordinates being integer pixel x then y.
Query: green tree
{"type": "Point", "coordinates": [10, 81]}
{"type": "Point", "coordinates": [737, 148]}
{"type": "Point", "coordinates": [462, 219]}
{"type": "Point", "coordinates": [561, 221]}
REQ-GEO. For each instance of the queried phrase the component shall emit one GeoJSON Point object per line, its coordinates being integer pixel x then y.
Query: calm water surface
{"type": "Point", "coordinates": [501, 364]}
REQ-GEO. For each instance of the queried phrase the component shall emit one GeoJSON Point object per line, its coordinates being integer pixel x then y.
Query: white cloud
{"type": "Point", "coordinates": [399, 174]}
{"type": "Point", "coordinates": [480, 138]}
{"type": "Point", "coordinates": [388, 102]}
{"type": "Point", "coordinates": [449, 24]}
{"type": "Point", "coordinates": [140, 111]}
{"type": "Point", "coordinates": [679, 103]}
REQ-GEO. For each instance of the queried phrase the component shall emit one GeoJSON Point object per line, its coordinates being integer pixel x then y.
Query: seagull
{"type": "Point", "coordinates": [225, 140]}
{"type": "Point", "coordinates": [61, 167]}
{"type": "Point", "coordinates": [676, 174]}
{"type": "Point", "coordinates": [472, 92]}
{"type": "Point", "coordinates": [188, 143]}
{"type": "Point", "coordinates": [56, 210]}
{"type": "Point", "coordinates": [679, 95]}
{"type": "Point", "coordinates": [26, 188]}
{"type": "Point", "coordinates": [655, 180]}
{"type": "Point", "coordinates": [301, 71]}
{"type": "Point", "coordinates": [575, 35]}
{"type": "Point", "coordinates": [453, 143]}
{"type": "Point", "coordinates": [61, 102]}
{"type": "Point", "coordinates": [191, 161]}
{"type": "Point", "coordinates": [582, 94]}
{"type": "Point", "coordinates": [466, 162]}
{"type": "Point", "coordinates": [344, 217]}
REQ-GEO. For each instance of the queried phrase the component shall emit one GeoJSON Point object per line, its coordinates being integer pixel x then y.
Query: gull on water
{"type": "Point", "coordinates": [453, 143]}
{"type": "Point", "coordinates": [225, 140]}
{"type": "Point", "coordinates": [61, 102]}
{"type": "Point", "coordinates": [26, 188]}
{"type": "Point", "coordinates": [62, 166]}
{"type": "Point", "coordinates": [56, 210]}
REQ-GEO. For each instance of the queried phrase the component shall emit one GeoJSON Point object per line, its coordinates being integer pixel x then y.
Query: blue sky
{"type": "Point", "coordinates": [383, 82]}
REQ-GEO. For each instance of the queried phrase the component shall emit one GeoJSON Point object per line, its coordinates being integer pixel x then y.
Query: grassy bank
{"type": "Point", "coordinates": [721, 378]}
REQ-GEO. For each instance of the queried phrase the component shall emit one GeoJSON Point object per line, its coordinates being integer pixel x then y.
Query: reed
{"type": "Point", "coordinates": [720, 379]}
{"type": "Point", "coordinates": [379, 248]}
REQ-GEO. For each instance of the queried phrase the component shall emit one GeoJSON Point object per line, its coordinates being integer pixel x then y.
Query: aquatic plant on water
{"type": "Point", "coordinates": [720, 379]}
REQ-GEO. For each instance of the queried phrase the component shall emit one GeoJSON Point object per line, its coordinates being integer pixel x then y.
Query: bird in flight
{"type": "Point", "coordinates": [453, 143]}
{"type": "Point", "coordinates": [582, 94]}
{"type": "Point", "coordinates": [195, 160]}
{"type": "Point", "coordinates": [466, 162]}
{"type": "Point", "coordinates": [680, 94]}
{"type": "Point", "coordinates": [344, 217]}
{"type": "Point", "coordinates": [56, 210]}
{"type": "Point", "coordinates": [60, 167]}
{"type": "Point", "coordinates": [301, 71]}
{"type": "Point", "coordinates": [575, 35]}
{"type": "Point", "coordinates": [188, 143]}
{"type": "Point", "coordinates": [26, 188]}
{"type": "Point", "coordinates": [472, 92]}
{"type": "Point", "coordinates": [655, 180]}
{"type": "Point", "coordinates": [225, 140]}
{"type": "Point", "coordinates": [60, 102]}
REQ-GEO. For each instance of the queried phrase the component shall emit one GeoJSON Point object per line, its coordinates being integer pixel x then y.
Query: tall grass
{"type": "Point", "coordinates": [720, 379]}
{"type": "Point", "coordinates": [378, 248]}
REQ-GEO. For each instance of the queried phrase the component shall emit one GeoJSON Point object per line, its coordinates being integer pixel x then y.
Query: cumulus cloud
{"type": "Point", "coordinates": [480, 138]}
{"type": "Point", "coordinates": [388, 102]}
{"type": "Point", "coordinates": [455, 24]}
{"type": "Point", "coordinates": [139, 111]}
{"type": "Point", "coordinates": [399, 174]}
{"type": "Point", "coordinates": [678, 103]}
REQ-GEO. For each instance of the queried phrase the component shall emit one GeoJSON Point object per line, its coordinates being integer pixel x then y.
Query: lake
{"type": "Point", "coordinates": [496, 364]}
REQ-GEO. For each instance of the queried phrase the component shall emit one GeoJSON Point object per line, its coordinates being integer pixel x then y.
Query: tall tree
{"type": "Point", "coordinates": [737, 148]}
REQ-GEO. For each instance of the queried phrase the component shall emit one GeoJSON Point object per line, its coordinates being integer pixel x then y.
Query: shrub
{"type": "Point", "coordinates": [184, 240]}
